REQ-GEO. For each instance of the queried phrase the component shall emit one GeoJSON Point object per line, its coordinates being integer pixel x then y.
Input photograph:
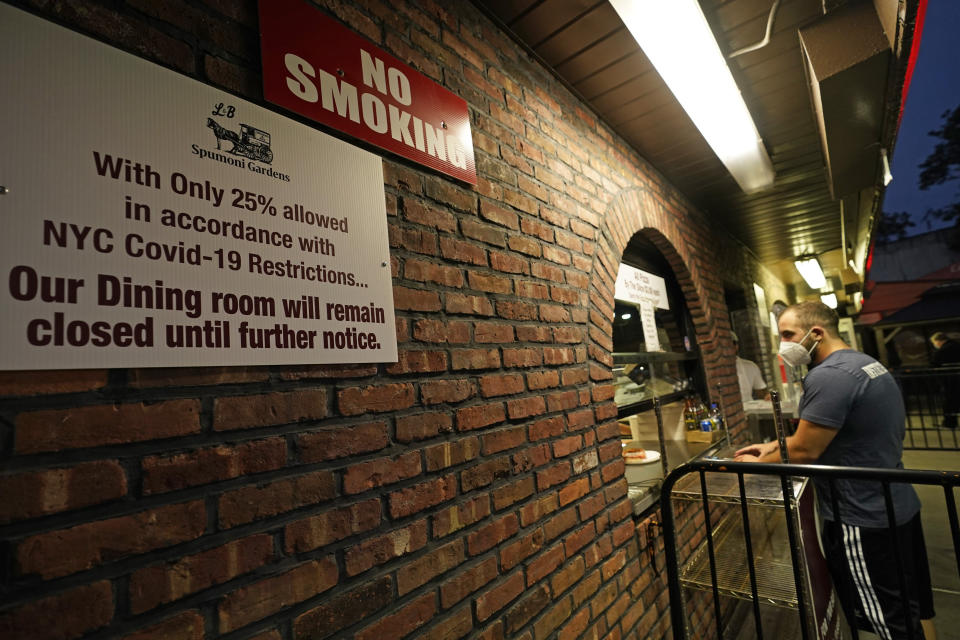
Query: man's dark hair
{"type": "Point", "coordinates": [811, 313]}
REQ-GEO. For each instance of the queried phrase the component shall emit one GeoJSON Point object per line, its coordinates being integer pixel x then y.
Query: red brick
{"type": "Point", "coordinates": [59, 553]}
{"type": "Point", "coordinates": [344, 609]}
{"type": "Point", "coordinates": [552, 355]}
{"type": "Point", "coordinates": [249, 504]}
{"type": "Point", "coordinates": [532, 603]}
{"type": "Point", "coordinates": [452, 453]}
{"type": "Point", "coordinates": [452, 391]}
{"type": "Point", "coordinates": [554, 617]}
{"type": "Point", "coordinates": [376, 398]}
{"type": "Point", "coordinates": [76, 611]}
{"type": "Point", "coordinates": [503, 439]}
{"type": "Point", "coordinates": [546, 428]}
{"type": "Point", "coordinates": [380, 549]}
{"type": "Point", "coordinates": [468, 304]}
{"type": "Point", "coordinates": [475, 359]}
{"type": "Point", "coordinates": [467, 581]}
{"type": "Point", "coordinates": [490, 283]}
{"type": "Point", "coordinates": [453, 627]}
{"type": "Point", "coordinates": [406, 299]}
{"type": "Point", "coordinates": [534, 334]}
{"type": "Point", "coordinates": [380, 472]}
{"type": "Point", "coordinates": [567, 576]}
{"type": "Point", "coordinates": [525, 245]}
{"type": "Point", "coordinates": [562, 400]}
{"type": "Point", "coordinates": [445, 192]}
{"type": "Point", "coordinates": [492, 332]}
{"type": "Point", "coordinates": [244, 412]}
{"type": "Point", "coordinates": [484, 473]}
{"type": "Point", "coordinates": [516, 310]}
{"type": "Point", "coordinates": [188, 625]}
{"type": "Point", "coordinates": [542, 380]}
{"type": "Point", "coordinates": [512, 493]}
{"type": "Point", "coordinates": [544, 565]}
{"type": "Point", "coordinates": [565, 446]}
{"type": "Point", "coordinates": [574, 376]}
{"type": "Point", "coordinates": [590, 507]}
{"type": "Point", "coordinates": [423, 426]}
{"type": "Point", "coordinates": [35, 383]}
{"type": "Point", "coordinates": [417, 361]}
{"type": "Point", "coordinates": [441, 331]}
{"type": "Point", "coordinates": [526, 407]}
{"type": "Point", "coordinates": [547, 272]}
{"type": "Point", "coordinates": [531, 458]}
{"type": "Point", "coordinates": [169, 473]}
{"type": "Point", "coordinates": [333, 371]}
{"type": "Point", "coordinates": [33, 494]}
{"type": "Point", "coordinates": [553, 313]}
{"type": "Point", "coordinates": [320, 530]}
{"type": "Point", "coordinates": [492, 534]}
{"type": "Point", "coordinates": [343, 441]}
{"type": "Point", "coordinates": [79, 427]}
{"type": "Point", "coordinates": [415, 240]}
{"type": "Point", "coordinates": [500, 596]}
{"type": "Point", "coordinates": [426, 214]}
{"type": "Point", "coordinates": [423, 271]}
{"type": "Point", "coordinates": [535, 511]}
{"type": "Point", "coordinates": [552, 476]}
{"type": "Point", "coordinates": [421, 496]}
{"type": "Point", "coordinates": [516, 552]}
{"type": "Point", "coordinates": [460, 251]}
{"type": "Point", "coordinates": [499, 215]}
{"type": "Point", "coordinates": [526, 289]}
{"type": "Point", "coordinates": [395, 626]}
{"type": "Point", "coordinates": [480, 416]}
{"type": "Point", "coordinates": [260, 599]}
{"type": "Point", "coordinates": [568, 335]}
{"type": "Point", "coordinates": [159, 584]}
{"type": "Point", "coordinates": [522, 357]}
{"type": "Point", "coordinates": [429, 566]}
{"type": "Point", "coordinates": [454, 518]}
{"type": "Point", "coordinates": [483, 232]}
{"type": "Point", "coordinates": [508, 263]}
{"type": "Point", "coordinates": [501, 385]}
{"type": "Point", "coordinates": [574, 491]}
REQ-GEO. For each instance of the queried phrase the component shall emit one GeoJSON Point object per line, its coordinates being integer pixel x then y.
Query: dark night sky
{"type": "Point", "coordinates": [935, 88]}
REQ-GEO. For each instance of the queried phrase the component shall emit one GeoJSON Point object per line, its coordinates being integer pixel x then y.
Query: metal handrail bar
{"type": "Point", "coordinates": [886, 477]}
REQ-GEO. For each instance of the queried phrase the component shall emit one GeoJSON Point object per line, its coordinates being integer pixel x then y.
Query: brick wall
{"type": "Point", "coordinates": [472, 489]}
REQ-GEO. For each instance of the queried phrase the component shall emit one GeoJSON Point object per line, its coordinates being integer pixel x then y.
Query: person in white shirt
{"type": "Point", "coordinates": [752, 384]}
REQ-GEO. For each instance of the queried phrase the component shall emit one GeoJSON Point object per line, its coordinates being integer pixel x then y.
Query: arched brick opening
{"type": "Point", "coordinates": [639, 211]}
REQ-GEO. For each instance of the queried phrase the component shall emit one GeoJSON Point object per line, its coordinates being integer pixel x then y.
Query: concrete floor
{"type": "Point", "coordinates": [936, 529]}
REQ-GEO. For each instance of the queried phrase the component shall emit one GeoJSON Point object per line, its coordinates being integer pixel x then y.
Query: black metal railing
{"type": "Point", "coordinates": [724, 496]}
{"type": "Point", "coordinates": [932, 401]}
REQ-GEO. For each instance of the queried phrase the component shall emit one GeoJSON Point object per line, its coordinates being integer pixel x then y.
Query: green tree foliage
{"type": "Point", "coordinates": [943, 163]}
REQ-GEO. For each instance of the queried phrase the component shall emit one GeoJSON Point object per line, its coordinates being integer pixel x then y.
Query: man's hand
{"type": "Point", "coordinates": [753, 452]}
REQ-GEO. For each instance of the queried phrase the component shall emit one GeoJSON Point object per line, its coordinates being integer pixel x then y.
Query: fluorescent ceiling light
{"type": "Point", "coordinates": [676, 38]}
{"type": "Point", "coordinates": [626, 316]}
{"type": "Point", "coordinates": [829, 299]}
{"type": "Point", "coordinates": [810, 269]}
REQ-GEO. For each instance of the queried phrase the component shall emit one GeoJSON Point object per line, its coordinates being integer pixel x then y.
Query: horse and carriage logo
{"type": "Point", "coordinates": [250, 142]}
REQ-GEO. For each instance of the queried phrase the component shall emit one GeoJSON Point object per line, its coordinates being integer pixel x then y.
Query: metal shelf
{"type": "Point", "coordinates": [771, 549]}
{"type": "Point", "coordinates": [724, 487]}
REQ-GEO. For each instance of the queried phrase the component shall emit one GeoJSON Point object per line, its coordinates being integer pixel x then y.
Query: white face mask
{"type": "Point", "coordinates": [794, 353]}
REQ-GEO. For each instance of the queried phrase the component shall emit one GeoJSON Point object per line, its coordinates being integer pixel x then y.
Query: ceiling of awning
{"type": "Point", "coordinates": [587, 46]}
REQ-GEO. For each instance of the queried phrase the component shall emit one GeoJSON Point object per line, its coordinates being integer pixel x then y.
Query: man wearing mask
{"type": "Point", "coordinates": [852, 414]}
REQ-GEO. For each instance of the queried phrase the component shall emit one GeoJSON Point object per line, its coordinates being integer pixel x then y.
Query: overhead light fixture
{"type": "Point", "coordinates": [829, 299]}
{"type": "Point", "coordinates": [810, 269]}
{"type": "Point", "coordinates": [677, 40]}
{"type": "Point", "coordinates": [626, 316]}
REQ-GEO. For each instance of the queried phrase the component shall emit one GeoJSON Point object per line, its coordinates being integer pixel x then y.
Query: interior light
{"type": "Point", "coordinates": [626, 316]}
{"type": "Point", "coordinates": [677, 40]}
{"type": "Point", "coordinates": [829, 299]}
{"type": "Point", "coordinates": [810, 269]}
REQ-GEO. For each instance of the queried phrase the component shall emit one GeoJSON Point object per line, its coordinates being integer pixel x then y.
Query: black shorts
{"type": "Point", "coordinates": [866, 576]}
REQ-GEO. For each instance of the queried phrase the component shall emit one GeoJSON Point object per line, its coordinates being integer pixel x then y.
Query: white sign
{"type": "Point", "coordinates": [651, 341]}
{"type": "Point", "coordinates": [154, 221]}
{"type": "Point", "coordinates": [634, 285]}
{"type": "Point", "coordinates": [761, 297]}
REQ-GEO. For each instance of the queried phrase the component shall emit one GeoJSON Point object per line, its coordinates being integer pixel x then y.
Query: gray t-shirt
{"type": "Point", "coordinates": [853, 393]}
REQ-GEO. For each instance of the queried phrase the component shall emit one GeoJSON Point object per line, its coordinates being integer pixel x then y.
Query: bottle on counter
{"type": "Point", "coordinates": [716, 418]}
{"type": "Point", "coordinates": [690, 418]}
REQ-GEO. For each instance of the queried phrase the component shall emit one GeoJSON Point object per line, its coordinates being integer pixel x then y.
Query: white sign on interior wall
{"type": "Point", "coordinates": [651, 341]}
{"type": "Point", "coordinates": [151, 220]}
{"type": "Point", "coordinates": [634, 285]}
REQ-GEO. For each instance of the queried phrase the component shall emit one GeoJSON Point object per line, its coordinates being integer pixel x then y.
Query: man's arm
{"type": "Point", "coordinates": [803, 447]}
